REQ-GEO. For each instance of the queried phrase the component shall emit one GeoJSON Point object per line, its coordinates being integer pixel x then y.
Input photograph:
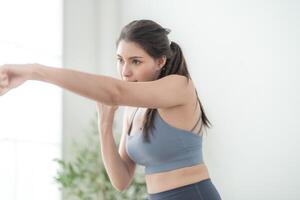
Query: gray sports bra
{"type": "Point", "coordinates": [169, 148]}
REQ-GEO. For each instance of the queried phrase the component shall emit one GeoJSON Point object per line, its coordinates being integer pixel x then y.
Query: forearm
{"type": "Point", "coordinates": [115, 167]}
{"type": "Point", "coordinates": [96, 87]}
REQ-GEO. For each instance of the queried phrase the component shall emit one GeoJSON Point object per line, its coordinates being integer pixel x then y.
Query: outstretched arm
{"type": "Point", "coordinates": [96, 87]}
{"type": "Point", "coordinates": [169, 91]}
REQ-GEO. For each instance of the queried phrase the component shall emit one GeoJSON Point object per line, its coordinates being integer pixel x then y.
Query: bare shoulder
{"type": "Point", "coordinates": [177, 115]}
{"type": "Point", "coordinates": [189, 88]}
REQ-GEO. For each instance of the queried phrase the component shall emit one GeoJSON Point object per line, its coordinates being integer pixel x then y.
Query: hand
{"type": "Point", "coordinates": [105, 115]}
{"type": "Point", "coordinates": [13, 75]}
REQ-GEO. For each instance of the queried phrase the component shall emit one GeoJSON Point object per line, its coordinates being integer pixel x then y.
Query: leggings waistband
{"type": "Point", "coordinates": [202, 190]}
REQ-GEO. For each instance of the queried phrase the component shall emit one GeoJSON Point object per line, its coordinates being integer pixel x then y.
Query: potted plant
{"type": "Point", "coordinates": [84, 177]}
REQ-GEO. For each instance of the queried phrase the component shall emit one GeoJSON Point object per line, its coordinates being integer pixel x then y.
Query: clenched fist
{"type": "Point", "coordinates": [13, 75]}
{"type": "Point", "coordinates": [105, 115]}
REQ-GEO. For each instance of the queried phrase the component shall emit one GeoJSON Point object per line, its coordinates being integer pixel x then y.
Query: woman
{"type": "Point", "coordinates": [163, 118]}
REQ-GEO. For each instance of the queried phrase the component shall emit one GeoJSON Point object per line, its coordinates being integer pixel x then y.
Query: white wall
{"type": "Point", "coordinates": [242, 55]}
{"type": "Point", "coordinates": [89, 39]}
{"type": "Point", "coordinates": [79, 54]}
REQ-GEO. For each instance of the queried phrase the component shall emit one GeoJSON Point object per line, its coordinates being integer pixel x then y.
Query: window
{"type": "Point", "coordinates": [31, 115]}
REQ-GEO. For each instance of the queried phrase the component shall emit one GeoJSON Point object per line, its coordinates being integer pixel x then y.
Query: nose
{"type": "Point", "coordinates": [126, 71]}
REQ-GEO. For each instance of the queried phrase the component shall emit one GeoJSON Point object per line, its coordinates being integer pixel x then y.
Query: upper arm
{"type": "Point", "coordinates": [122, 147]}
{"type": "Point", "coordinates": [166, 92]}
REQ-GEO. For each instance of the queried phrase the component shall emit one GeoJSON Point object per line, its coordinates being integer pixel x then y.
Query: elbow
{"type": "Point", "coordinates": [122, 184]}
{"type": "Point", "coordinates": [120, 187]}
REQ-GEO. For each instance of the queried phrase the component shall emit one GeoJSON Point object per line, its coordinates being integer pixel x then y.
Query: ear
{"type": "Point", "coordinates": [161, 62]}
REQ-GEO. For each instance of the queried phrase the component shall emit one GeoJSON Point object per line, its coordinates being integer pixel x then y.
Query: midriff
{"type": "Point", "coordinates": [163, 181]}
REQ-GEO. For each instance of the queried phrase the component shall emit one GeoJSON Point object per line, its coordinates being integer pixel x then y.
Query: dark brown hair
{"type": "Point", "coordinates": [154, 40]}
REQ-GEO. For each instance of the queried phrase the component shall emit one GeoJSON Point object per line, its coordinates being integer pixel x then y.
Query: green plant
{"type": "Point", "coordinates": [84, 177]}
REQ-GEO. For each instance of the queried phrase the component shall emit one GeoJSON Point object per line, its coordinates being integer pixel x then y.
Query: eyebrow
{"type": "Point", "coordinates": [133, 57]}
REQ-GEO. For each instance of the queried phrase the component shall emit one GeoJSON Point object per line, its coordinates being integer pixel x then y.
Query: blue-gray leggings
{"type": "Point", "coordinates": [203, 190]}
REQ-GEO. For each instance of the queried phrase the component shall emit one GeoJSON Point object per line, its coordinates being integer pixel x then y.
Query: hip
{"type": "Point", "coordinates": [202, 190]}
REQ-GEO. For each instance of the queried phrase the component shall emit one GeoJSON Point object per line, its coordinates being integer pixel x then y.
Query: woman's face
{"type": "Point", "coordinates": [134, 64]}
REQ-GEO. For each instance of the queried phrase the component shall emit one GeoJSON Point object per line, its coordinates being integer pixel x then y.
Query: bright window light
{"type": "Point", "coordinates": [31, 115]}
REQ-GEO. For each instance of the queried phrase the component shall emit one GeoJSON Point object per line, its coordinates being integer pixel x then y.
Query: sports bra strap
{"type": "Point", "coordinates": [196, 123]}
{"type": "Point", "coordinates": [132, 117]}
{"type": "Point", "coordinates": [197, 103]}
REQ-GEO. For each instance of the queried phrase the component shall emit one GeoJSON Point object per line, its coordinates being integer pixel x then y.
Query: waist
{"type": "Point", "coordinates": [160, 182]}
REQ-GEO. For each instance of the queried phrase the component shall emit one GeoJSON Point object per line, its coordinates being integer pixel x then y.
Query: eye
{"type": "Point", "coordinates": [119, 59]}
{"type": "Point", "coordinates": [137, 62]}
